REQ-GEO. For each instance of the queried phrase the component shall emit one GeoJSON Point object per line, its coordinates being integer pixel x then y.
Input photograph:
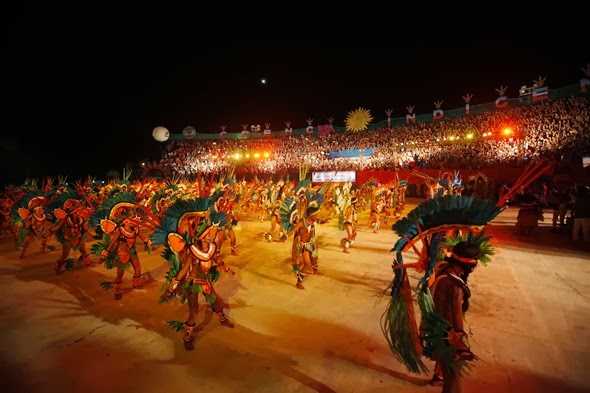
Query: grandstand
{"type": "Point", "coordinates": [498, 139]}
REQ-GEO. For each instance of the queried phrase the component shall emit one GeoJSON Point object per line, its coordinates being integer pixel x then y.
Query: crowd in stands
{"type": "Point", "coordinates": [547, 128]}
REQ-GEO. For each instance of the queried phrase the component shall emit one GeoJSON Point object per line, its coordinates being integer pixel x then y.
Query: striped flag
{"type": "Point", "coordinates": [540, 93]}
{"type": "Point", "coordinates": [501, 102]}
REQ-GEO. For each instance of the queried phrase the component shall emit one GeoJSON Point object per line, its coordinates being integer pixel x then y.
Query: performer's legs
{"type": "Point", "coordinates": [315, 267]}
{"type": "Point", "coordinates": [189, 325]}
{"type": "Point", "coordinates": [85, 254]}
{"type": "Point", "coordinates": [346, 242]}
{"type": "Point", "coordinates": [65, 251]}
{"type": "Point", "coordinates": [217, 308]}
{"type": "Point", "coordinates": [43, 244]}
{"type": "Point", "coordinates": [25, 245]}
{"type": "Point", "coordinates": [232, 242]}
{"type": "Point", "coordinates": [136, 271]}
{"type": "Point", "coordinates": [273, 223]}
{"type": "Point", "coordinates": [307, 266]}
{"type": "Point", "coordinates": [437, 377]}
{"type": "Point", "coordinates": [451, 381]}
{"type": "Point", "coordinates": [118, 281]}
{"type": "Point", "coordinates": [300, 279]}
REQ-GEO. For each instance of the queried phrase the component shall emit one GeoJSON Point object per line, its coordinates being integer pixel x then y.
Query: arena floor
{"type": "Point", "coordinates": [529, 321]}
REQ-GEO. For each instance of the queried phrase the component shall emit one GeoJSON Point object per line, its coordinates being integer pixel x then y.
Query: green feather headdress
{"type": "Point", "coordinates": [104, 211]}
{"type": "Point", "coordinates": [437, 223]}
{"type": "Point", "coordinates": [174, 221]}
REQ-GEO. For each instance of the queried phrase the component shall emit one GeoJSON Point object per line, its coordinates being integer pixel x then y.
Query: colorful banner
{"type": "Point", "coordinates": [324, 129]}
{"type": "Point", "coordinates": [540, 93]}
{"type": "Point", "coordinates": [501, 102]}
{"type": "Point", "coordinates": [352, 153]}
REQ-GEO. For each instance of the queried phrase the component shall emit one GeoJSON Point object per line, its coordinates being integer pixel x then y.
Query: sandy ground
{"type": "Point", "coordinates": [529, 321]}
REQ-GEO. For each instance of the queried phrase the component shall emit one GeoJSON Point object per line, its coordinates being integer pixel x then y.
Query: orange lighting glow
{"type": "Point", "coordinates": [507, 131]}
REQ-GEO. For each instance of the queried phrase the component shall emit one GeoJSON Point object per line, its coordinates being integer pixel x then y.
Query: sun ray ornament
{"type": "Point", "coordinates": [358, 119]}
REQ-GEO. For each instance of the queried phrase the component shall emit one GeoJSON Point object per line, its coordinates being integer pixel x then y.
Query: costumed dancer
{"type": "Point", "coordinates": [222, 214]}
{"type": "Point", "coordinates": [5, 226]}
{"type": "Point", "coordinates": [346, 201]}
{"type": "Point", "coordinates": [188, 236]}
{"type": "Point", "coordinates": [30, 220]}
{"type": "Point", "coordinates": [350, 223]}
{"type": "Point", "coordinates": [376, 210]}
{"type": "Point", "coordinates": [298, 218]}
{"type": "Point", "coordinates": [400, 201]}
{"type": "Point", "coordinates": [71, 229]}
{"type": "Point", "coordinates": [307, 251]}
{"type": "Point", "coordinates": [389, 204]}
{"type": "Point", "coordinates": [450, 295]}
{"type": "Point", "coordinates": [449, 223]}
{"type": "Point", "coordinates": [223, 200]}
{"type": "Point", "coordinates": [274, 213]}
{"type": "Point", "coordinates": [293, 210]}
{"type": "Point", "coordinates": [232, 218]}
{"type": "Point", "coordinates": [121, 227]}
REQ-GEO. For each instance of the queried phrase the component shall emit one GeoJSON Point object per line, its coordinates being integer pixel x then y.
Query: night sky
{"type": "Point", "coordinates": [85, 86]}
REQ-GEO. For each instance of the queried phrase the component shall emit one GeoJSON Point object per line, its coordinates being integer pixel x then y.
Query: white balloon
{"type": "Point", "coordinates": [161, 134]}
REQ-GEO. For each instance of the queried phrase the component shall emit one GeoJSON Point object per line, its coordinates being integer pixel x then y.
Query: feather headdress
{"type": "Point", "coordinates": [436, 223]}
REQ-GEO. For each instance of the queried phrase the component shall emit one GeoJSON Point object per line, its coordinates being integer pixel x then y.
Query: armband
{"type": "Point", "coordinates": [173, 285]}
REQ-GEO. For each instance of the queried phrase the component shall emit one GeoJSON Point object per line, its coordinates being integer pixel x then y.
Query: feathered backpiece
{"type": "Point", "coordinates": [302, 186]}
{"type": "Point", "coordinates": [113, 210]}
{"type": "Point", "coordinates": [184, 222]}
{"type": "Point", "coordinates": [434, 224]}
{"type": "Point", "coordinates": [219, 218]}
{"type": "Point", "coordinates": [289, 214]}
{"type": "Point", "coordinates": [315, 198]}
{"type": "Point", "coordinates": [66, 203]}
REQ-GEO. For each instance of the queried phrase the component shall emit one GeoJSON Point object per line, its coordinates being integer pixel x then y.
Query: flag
{"type": "Point", "coordinates": [501, 102]}
{"type": "Point", "coordinates": [584, 82]}
{"type": "Point", "coordinates": [540, 93]}
{"type": "Point", "coordinates": [324, 129]}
